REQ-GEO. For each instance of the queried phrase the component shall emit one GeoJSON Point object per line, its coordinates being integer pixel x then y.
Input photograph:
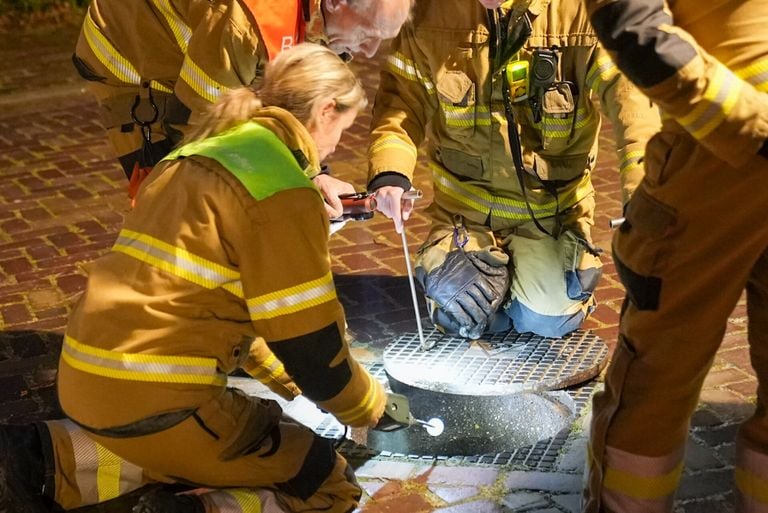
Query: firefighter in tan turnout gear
{"type": "Point", "coordinates": [154, 63]}
{"type": "Point", "coordinates": [694, 239]}
{"type": "Point", "coordinates": [223, 264]}
{"type": "Point", "coordinates": [506, 98]}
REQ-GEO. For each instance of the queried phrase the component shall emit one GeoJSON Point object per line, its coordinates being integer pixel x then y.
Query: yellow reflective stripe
{"type": "Point", "coordinates": [108, 55]}
{"type": "Point", "coordinates": [393, 142]}
{"type": "Point", "coordinates": [292, 299]}
{"type": "Point", "coordinates": [141, 367]}
{"type": "Point", "coordinates": [756, 74]}
{"type": "Point", "coordinates": [270, 369]}
{"type": "Point", "coordinates": [180, 30]}
{"type": "Point", "coordinates": [561, 128]}
{"type": "Point", "coordinates": [751, 485]}
{"type": "Point", "coordinates": [107, 474]}
{"type": "Point", "coordinates": [200, 82]}
{"type": "Point", "coordinates": [630, 159]}
{"type": "Point", "coordinates": [222, 502]}
{"type": "Point", "coordinates": [480, 200]}
{"type": "Point", "coordinates": [399, 64]}
{"type": "Point", "coordinates": [469, 116]}
{"type": "Point", "coordinates": [178, 261]}
{"type": "Point", "coordinates": [602, 70]}
{"type": "Point", "coordinates": [247, 500]}
{"type": "Point", "coordinates": [363, 407]}
{"type": "Point", "coordinates": [643, 487]}
{"type": "Point", "coordinates": [718, 100]}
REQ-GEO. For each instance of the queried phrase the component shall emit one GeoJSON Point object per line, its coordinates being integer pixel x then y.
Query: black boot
{"type": "Point", "coordinates": [22, 470]}
{"type": "Point", "coordinates": [163, 501]}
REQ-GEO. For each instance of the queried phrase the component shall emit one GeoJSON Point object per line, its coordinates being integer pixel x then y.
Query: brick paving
{"type": "Point", "coordinates": [62, 200]}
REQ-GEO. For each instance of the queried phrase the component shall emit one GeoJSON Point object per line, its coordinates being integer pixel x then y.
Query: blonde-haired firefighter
{"type": "Point", "coordinates": [227, 244]}
{"type": "Point", "coordinates": [155, 65]}
{"type": "Point", "coordinates": [507, 101]}
{"type": "Point", "coordinates": [694, 239]}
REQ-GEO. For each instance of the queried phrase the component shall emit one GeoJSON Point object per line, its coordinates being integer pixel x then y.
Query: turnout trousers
{"type": "Point", "coordinates": [218, 449]}
{"type": "Point", "coordinates": [695, 239]}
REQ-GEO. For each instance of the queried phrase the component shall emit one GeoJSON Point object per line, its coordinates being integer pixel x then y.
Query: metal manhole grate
{"type": "Point", "coordinates": [502, 364]}
{"type": "Point", "coordinates": [541, 456]}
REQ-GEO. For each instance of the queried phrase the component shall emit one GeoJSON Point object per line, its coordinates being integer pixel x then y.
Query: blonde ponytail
{"type": "Point", "coordinates": [298, 80]}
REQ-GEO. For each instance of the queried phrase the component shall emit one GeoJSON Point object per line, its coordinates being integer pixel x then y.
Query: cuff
{"type": "Point", "coordinates": [389, 178]}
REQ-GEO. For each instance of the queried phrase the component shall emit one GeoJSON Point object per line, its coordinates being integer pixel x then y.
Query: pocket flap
{"type": "Point", "coordinates": [558, 101]}
{"type": "Point", "coordinates": [456, 87]}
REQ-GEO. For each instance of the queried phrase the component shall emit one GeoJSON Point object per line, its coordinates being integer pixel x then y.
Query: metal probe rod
{"type": "Point", "coordinates": [422, 343]}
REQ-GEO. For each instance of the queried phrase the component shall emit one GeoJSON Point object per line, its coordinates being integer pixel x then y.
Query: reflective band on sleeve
{"type": "Point", "coordinates": [603, 70]}
{"type": "Point", "coordinates": [203, 85]}
{"type": "Point", "coordinates": [720, 96]}
{"type": "Point", "coordinates": [631, 159]}
{"type": "Point", "coordinates": [178, 262]}
{"type": "Point", "coordinates": [181, 32]}
{"type": "Point", "coordinates": [270, 370]}
{"type": "Point", "coordinates": [108, 55]}
{"type": "Point", "coordinates": [390, 142]}
{"type": "Point", "coordinates": [482, 201]}
{"type": "Point", "coordinates": [400, 65]}
{"type": "Point", "coordinates": [362, 409]}
{"type": "Point", "coordinates": [292, 299]}
{"type": "Point", "coordinates": [756, 74]}
{"type": "Point", "coordinates": [141, 367]}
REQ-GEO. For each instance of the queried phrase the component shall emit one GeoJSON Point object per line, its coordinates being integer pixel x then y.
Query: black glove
{"type": "Point", "coordinates": [467, 291]}
{"type": "Point", "coordinates": [397, 414]}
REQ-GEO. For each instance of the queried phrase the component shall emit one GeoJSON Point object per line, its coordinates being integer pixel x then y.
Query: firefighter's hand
{"type": "Point", "coordinates": [467, 289]}
{"type": "Point", "coordinates": [332, 188]}
{"type": "Point", "coordinates": [390, 202]}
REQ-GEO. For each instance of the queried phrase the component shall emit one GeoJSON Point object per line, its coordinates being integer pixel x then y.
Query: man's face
{"type": "Point", "coordinates": [360, 28]}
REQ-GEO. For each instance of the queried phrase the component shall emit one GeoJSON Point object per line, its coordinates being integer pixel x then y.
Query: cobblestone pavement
{"type": "Point", "coordinates": [62, 199]}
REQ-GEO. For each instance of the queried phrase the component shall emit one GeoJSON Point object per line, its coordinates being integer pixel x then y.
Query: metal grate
{"type": "Point", "coordinates": [541, 456]}
{"type": "Point", "coordinates": [502, 364]}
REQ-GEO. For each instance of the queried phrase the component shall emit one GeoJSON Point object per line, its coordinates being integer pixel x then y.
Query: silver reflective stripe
{"type": "Point", "coordinates": [405, 67]}
{"type": "Point", "coordinates": [293, 299]}
{"type": "Point", "coordinates": [141, 367]}
{"type": "Point", "coordinates": [756, 74]}
{"type": "Point", "coordinates": [86, 462]}
{"type": "Point", "coordinates": [203, 85]}
{"type": "Point", "coordinates": [178, 261]}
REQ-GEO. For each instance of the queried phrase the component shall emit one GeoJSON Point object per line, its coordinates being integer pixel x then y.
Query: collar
{"type": "Point", "coordinates": [293, 134]}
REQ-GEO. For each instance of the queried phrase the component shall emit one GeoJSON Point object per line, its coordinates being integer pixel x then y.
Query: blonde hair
{"type": "Point", "coordinates": [298, 80]}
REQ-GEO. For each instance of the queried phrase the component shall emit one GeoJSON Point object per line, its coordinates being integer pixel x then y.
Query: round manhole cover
{"type": "Point", "coordinates": [499, 365]}
{"type": "Point", "coordinates": [477, 424]}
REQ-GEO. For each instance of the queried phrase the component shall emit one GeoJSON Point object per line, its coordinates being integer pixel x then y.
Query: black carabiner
{"type": "Point", "coordinates": [137, 102]}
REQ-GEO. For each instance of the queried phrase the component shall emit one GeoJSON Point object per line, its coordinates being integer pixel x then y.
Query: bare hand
{"type": "Point", "coordinates": [390, 202]}
{"type": "Point", "coordinates": [491, 4]}
{"type": "Point", "coordinates": [332, 188]}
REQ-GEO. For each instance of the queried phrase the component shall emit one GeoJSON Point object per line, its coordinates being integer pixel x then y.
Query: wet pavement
{"type": "Point", "coordinates": [63, 197]}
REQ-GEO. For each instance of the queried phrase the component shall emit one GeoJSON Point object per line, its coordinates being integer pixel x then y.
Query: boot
{"type": "Point", "coordinates": [22, 470]}
{"type": "Point", "coordinates": [163, 501]}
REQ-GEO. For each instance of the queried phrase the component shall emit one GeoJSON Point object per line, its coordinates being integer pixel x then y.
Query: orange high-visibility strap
{"type": "Point", "coordinates": [280, 23]}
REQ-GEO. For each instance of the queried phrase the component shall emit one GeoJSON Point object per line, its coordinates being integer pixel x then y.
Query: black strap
{"type": "Point", "coordinates": [517, 158]}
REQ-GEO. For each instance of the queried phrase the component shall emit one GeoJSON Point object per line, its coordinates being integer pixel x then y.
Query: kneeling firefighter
{"type": "Point", "coordinates": [223, 264]}
{"type": "Point", "coordinates": [507, 99]}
